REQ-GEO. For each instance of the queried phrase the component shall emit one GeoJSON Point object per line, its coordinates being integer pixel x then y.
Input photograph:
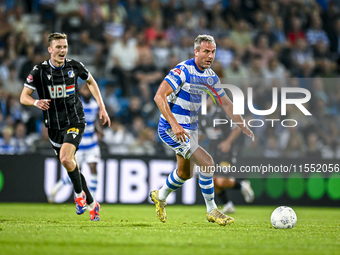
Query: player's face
{"type": "Point", "coordinates": [58, 51]}
{"type": "Point", "coordinates": [205, 56]}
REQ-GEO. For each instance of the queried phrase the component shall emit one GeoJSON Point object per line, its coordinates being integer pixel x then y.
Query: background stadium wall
{"type": "Point", "coordinates": [128, 180]}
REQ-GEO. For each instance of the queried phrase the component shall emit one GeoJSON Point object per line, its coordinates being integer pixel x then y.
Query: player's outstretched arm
{"type": "Point", "coordinates": [160, 98]}
{"type": "Point", "coordinates": [26, 99]}
{"type": "Point", "coordinates": [227, 106]}
{"type": "Point", "coordinates": [93, 86]}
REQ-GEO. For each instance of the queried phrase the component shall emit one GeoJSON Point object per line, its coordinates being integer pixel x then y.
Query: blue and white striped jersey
{"type": "Point", "coordinates": [90, 138]}
{"type": "Point", "coordinates": [189, 83]}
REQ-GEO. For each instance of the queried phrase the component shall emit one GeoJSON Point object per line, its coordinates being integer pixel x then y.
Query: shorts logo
{"type": "Point", "coordinates": [74, 131]}
{"type": "Point", "coordinates": [30, 78]}
{"type": "Point", "coordinates": [70, 74]}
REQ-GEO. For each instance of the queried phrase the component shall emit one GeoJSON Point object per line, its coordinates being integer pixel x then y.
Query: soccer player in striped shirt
{"type": "Point", "coordinates": [179, 100]}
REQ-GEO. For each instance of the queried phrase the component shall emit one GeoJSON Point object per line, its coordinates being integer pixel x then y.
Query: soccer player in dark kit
{"type": "Point", "coordinates": [55, 80]}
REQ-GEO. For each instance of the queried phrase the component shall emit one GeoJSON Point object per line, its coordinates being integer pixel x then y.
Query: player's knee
{"type": "Point", "coordinates": [226, 183]}
{"type": "Point", "coordinates": [66, 162]}
{"type": "Point", "coordinates": [231, 182]}
{"type": "Point", "coordinates": [217, 182]}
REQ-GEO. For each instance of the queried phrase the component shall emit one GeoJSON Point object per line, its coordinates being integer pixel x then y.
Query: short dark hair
{"type": "Point", "coordinates": [56, 36]}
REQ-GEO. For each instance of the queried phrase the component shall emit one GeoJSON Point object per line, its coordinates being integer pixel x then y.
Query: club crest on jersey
{"type": "Point", "coordinates": [70, 74]}
{"type": "Point", "coordinates": [74, 131]}
{"type": "Point", "coordinates": [30, 78]}
{"type": "Point", "coordinates": [210, 81]}
{"type": "Point", "coordinates": [61, 91]}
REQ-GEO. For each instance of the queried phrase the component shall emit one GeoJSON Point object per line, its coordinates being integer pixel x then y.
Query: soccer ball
{"type": "Point", "coordinates": [283, 217]}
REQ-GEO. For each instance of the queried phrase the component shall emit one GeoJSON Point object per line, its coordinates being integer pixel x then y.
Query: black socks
{"type": "Point", "coordinates": [89, 198]}
{"type": "Point", "coordinates": [75, 178]}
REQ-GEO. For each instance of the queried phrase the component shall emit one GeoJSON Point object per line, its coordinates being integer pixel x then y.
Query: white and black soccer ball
{"type": "Point", "coordinates": [283, 217]}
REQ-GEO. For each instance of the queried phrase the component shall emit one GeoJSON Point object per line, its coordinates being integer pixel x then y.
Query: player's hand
{"type": "Point", "coordinates": [104, 117]}
{"type": "Point", "coordinates": [224, 146]}
{"type": "Point", "coordinates": [180, 133]}
{"type": "Point", "coordinates": [43, 104]}
{"type": "Point", "coordinates": [249, 133]}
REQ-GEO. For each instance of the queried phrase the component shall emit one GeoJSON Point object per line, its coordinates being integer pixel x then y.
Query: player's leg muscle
{"type": "Point", "coordinates": [185, 168]}
{"type": "Point", "coordinates": [202, 158]}
{"type": "Point", "coordinates": [224, 183]}
{"type": "Point", "coordinates": [67, 157]}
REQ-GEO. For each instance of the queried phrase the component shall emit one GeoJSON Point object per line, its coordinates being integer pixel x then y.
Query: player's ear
{"type": "Point", "coordinates": [49, 50]}
{"type": "Point", "coordinates": [196, 52]}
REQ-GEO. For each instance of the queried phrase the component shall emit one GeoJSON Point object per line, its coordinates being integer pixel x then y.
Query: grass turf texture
{"type": "Point", "coordinates": [134, 229]}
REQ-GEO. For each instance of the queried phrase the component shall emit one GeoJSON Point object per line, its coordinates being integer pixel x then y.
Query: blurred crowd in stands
{"type": "Point", "coordinates": [129, 46]}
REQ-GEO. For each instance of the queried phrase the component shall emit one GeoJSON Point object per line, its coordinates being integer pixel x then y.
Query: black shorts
{"type": "Point", "coordinates": [72, 134]}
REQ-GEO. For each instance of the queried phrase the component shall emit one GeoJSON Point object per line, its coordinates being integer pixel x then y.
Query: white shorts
{"type": "Point", "coordinates": [185, 149]}
{"type": "Point", "coordinates": [89, 155]}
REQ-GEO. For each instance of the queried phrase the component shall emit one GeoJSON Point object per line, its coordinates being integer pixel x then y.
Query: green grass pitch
{"type": "Point", "coordinates": [134, 229]}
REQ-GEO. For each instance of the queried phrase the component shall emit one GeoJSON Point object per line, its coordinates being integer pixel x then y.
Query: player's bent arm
{"type": "Point", "coordinates": [25, 97]}
{"type": "Point", "coordinates": [163, 91]}
{"type": "Point", "coordinates": [93, 86]}
{"type": "Point", "coordinates": [228, 107]}
{"type": "Point", "coordinates": [160, 98]}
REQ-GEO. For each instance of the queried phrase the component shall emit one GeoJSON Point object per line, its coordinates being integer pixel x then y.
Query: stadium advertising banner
{"type": "Point", "coordinates": [129, 180]}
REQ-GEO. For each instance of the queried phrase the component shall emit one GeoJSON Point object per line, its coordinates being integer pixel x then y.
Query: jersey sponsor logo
{"type": "Point", "coordinates": [61, 91]}
{"type": "Point", "coordinates": [177, 71]}
{"type": "Point", "coordinates": [70, 74]}
{"type": "Point", "coordinates": [30, 78]}
{"type": "Point", "coordinates": [74, 131]}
